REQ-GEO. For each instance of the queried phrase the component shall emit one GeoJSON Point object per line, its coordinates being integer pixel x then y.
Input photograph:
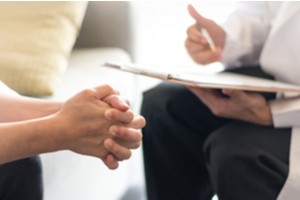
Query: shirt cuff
{"type": "Point", "coordinates": [285, 112]}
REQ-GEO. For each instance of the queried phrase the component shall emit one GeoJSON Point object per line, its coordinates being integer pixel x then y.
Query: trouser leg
{"type": "Point", "coordinates": [248, 161]}
{"type": "Point", "coordinates": [177, 126]}
{"type": "Point", "coordinates": [21, 180]}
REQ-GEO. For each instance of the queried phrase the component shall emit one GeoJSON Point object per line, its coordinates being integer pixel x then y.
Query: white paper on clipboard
{"type": "Point", "coordinates": [220, 80]}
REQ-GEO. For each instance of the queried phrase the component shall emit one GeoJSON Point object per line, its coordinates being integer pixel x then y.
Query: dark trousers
{"type": "Point", "coordinates": [21, 180]}
{"type": "Point", "coordinates": [191, 154]}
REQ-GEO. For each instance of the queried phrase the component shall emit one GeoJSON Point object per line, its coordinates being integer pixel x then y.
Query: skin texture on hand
{"type": "Point", "coordinates": [238, 105]}
{"type": "Point", "coordinates": [197, 45]}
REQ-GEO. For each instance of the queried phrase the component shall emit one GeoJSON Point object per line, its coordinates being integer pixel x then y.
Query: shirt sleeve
{"type": "Point", "coordinates": [246, 31]}
{"type": "Point", "coordinates": [285, 112]}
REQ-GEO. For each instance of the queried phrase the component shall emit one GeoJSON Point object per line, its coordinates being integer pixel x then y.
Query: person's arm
{"type": "Point", "coordinates": [26, 138]}
{"type": "Point", "coordinates": [239, 41]}
{"type": "Point", "coordinates": [246, 31]}
{"type": "Point", "coordinates": [14, 107]}
{"type": "Point", "coordinates": [81, 125]}
{"type": "Point", "coordinates": [197, 44]}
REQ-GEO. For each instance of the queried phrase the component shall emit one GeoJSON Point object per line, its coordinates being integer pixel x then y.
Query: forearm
{"type": "Point", "coordinates": [23, 139]}
{"type": "Point", "coordinates": [18, 108]}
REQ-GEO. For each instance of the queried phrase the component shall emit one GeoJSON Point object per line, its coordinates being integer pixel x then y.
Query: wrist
{"type": "Point", "coordinates": [49, 108]}
{"type": "Point", "coordinates": [59, 132]}
{"type": "Point", "coordinates": [265, 116]}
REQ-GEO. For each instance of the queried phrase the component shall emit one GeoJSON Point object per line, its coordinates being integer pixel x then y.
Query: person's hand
{"type": "Point", "coordinates": [197, 45]}
{"type": "Point", "coordinates": [125, 136]}
{"type": "Point", "coordinates": [239, 105]}
{"type": "Point", "coordinates": [83, 127]}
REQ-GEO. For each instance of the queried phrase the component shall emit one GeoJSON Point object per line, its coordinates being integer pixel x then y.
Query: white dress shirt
{"type": "Point", "coordinates": [268, 34]}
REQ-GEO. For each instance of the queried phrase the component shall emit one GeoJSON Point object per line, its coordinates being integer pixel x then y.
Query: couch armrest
{"type": "Point", "coordinates": [107, 24]}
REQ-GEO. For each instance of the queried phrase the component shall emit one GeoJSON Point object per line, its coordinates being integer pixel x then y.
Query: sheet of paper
{"type": "Point", "coordinates": [218, 80]}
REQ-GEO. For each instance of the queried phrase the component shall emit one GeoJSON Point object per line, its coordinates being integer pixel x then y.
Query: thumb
{"type": "Point", "coordinates": [117, 102]}
{"type": "Point", "coordinates": [103, 91]}
{"type": "Point", "coordinates": [236, 94]}
{"type": "Point", "coordinates": [202, 21]}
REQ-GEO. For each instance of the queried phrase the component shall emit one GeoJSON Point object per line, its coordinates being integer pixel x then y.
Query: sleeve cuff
{"type": "Point", "coordinates": [285, 112]}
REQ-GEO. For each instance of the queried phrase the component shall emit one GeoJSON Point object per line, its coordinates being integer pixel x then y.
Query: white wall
{"type": "Point", "coordinates": [161, 29]}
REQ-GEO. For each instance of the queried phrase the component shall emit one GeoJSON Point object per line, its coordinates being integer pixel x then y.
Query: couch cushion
{"type": "Point", "coordinates": [84, 71]}
{"type": "Point", "coordinates": [36, 40]}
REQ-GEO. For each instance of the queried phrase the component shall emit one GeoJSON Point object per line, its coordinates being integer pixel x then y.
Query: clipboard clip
{"type": "Point", "coordinates": [141, 71]}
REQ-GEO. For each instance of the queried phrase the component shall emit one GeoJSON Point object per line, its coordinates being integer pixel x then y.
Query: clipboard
{"type": "Point", "coordinates": [220, 80]}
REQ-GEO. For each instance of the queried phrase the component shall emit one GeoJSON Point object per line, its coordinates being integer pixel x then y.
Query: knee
{"type": "Point", "coordinates": [23, 165]}
{"type": "Point", "coordinates": [226, 150]}
{"type": "Point", "coordinates": [27, 170]}
{"type": "Point", "coordinates": [23, 176]}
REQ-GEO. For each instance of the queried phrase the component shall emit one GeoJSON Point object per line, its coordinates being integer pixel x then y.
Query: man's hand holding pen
{"type": "Point", "coordinates": [205, 39]}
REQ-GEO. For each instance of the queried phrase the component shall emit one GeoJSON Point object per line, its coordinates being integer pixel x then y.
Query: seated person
{"type": "Point", "coordinates": [198, 143]}
{"type": "Point", "coordinates": [95, 122]}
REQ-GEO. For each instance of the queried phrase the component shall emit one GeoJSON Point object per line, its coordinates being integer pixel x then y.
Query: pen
{"type": "Point", "coordinates": [210, 41]}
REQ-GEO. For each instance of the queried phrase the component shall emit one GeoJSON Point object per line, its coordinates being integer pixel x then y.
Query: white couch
{"type": "Point", "coordinates": [105, 35]}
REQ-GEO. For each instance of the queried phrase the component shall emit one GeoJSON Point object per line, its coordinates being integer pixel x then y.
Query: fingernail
{"type": "Point", "coordinates": [140, 136]}
{"type": "Point", "coordinates": [107, 144]}
{"type": "Point", "coordinates": [108, 114]}
{"type": "Point", "coordinates": [124, 103]}
{"type": "Point", "coordinates": [113, 130]}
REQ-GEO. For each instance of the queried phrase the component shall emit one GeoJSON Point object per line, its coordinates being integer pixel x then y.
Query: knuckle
{"type": "Point", "coordinates": [87, 92]}
{"type": "Point", "coordinates": [129, 116]}
{"type": "Point", "coordinates": [188, 30]}
{"type": "Point", "coordinates": [114, 114]}
{"type": "Point", "coordinates": [187, 44]}
{"type": "Point", "coordinates": [108, 87]}
{"type": "Point", "coordinates": [112, 147]}
{"type": "Point", "coordinates": [122, 133]}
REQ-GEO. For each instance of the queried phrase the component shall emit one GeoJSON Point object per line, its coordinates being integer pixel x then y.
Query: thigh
{"type": "Point", "coordinates": [249, 157]}
{"type": "Point", "coordinates": [174, 104]}
{"type": "Point", "coordinates": [176, 117]}
{"type": "Point", "coordinates": [177, 126]}
{"type": "Point", "coordinates": [21, 180]}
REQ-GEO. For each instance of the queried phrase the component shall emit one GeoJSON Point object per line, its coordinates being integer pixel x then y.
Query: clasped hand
{"type": "Point", "coordinates": [97, 122]}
